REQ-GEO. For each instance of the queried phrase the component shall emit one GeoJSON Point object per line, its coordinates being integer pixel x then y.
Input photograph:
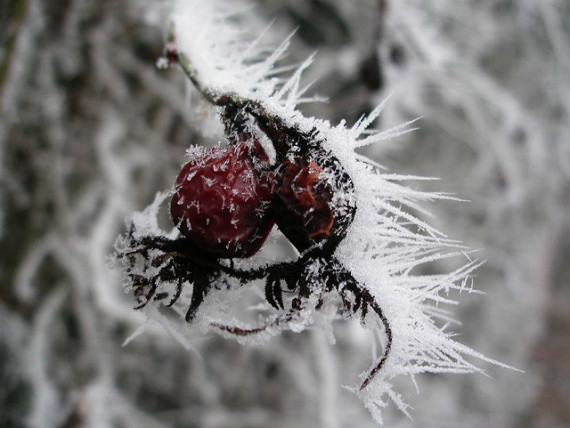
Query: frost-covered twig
{"type": "Point", "coordinates": [357, 232]}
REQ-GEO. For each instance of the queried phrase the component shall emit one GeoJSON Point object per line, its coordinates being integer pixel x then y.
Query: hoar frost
{"type": "Point", "coordinates": [352, 225]}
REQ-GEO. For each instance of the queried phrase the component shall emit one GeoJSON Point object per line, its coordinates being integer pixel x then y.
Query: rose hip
{"type": "Point", "coordinates": [302, 203]}
{"type": "Point", "coordinates": [222, 198]}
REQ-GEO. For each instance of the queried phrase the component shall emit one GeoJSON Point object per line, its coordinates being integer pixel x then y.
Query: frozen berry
{"type": "Point", "coordinates": [303, 203]}
{"type": "Point", "coordinates": [222, 198]}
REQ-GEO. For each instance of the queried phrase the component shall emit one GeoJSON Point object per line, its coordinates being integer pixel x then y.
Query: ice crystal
{"type": "Point", "coordinates": [387, 244]}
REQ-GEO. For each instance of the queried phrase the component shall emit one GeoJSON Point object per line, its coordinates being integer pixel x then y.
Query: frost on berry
{"type": "Point", "coordinates": [304, 200]}
{"type": "Point", "coordinates": [221, 200]}
{"type": "Point", "coordinates": [358, 232]}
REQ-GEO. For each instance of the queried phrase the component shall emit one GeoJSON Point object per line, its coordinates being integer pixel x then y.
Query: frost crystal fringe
{"type": "Point", "coordinates": [353, 226]}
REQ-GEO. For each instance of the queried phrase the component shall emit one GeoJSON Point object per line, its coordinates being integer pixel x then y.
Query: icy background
{"type": "Point", "coordinates": [90, 130]}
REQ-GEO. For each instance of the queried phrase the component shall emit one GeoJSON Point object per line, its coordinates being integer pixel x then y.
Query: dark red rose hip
{"type": "Point", "coordinates": [222, 198]}
{"type": "Point", "coordinates": [303, 203]}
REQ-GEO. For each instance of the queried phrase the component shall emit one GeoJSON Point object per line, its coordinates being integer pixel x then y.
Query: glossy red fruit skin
{"type": "Point", "coordinates": [222, 198]}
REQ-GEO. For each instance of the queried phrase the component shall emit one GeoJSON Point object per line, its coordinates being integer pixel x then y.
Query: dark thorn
{"type": "Point", "coordinates": [278, 293]}
{"type": "Point", "coordinates": [291, 283]}
{"type": "Point", "coordinates": [388, 347]}
{"type": "Point", "coordinates": [364, 312]}
{"type": "Point", "coordinates": [177, 295]}
{"type": "Point", "coordinates": [160, 296]}
{"type": "Point", "coordinates": [269, 296]}
{"type": "Point", "coordinates": [150, 294]}
{"type": "Point", "coordinates": [201, 288]}
{"type": "Point", "coordinates": [191, 313]}
{"type": "Point", "coordinates": [239, 331]}
{"type": "Point", "coordinates": [357, 303]}
{"type": "Point", "coordinates": [364, 299]}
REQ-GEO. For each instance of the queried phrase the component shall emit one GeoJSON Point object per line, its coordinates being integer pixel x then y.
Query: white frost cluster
{"type": "Point", "coordinates": [389, 241]}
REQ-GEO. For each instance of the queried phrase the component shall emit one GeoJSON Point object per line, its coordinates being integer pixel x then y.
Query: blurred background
{"type": "Point", "coordinates": [90, 130]}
